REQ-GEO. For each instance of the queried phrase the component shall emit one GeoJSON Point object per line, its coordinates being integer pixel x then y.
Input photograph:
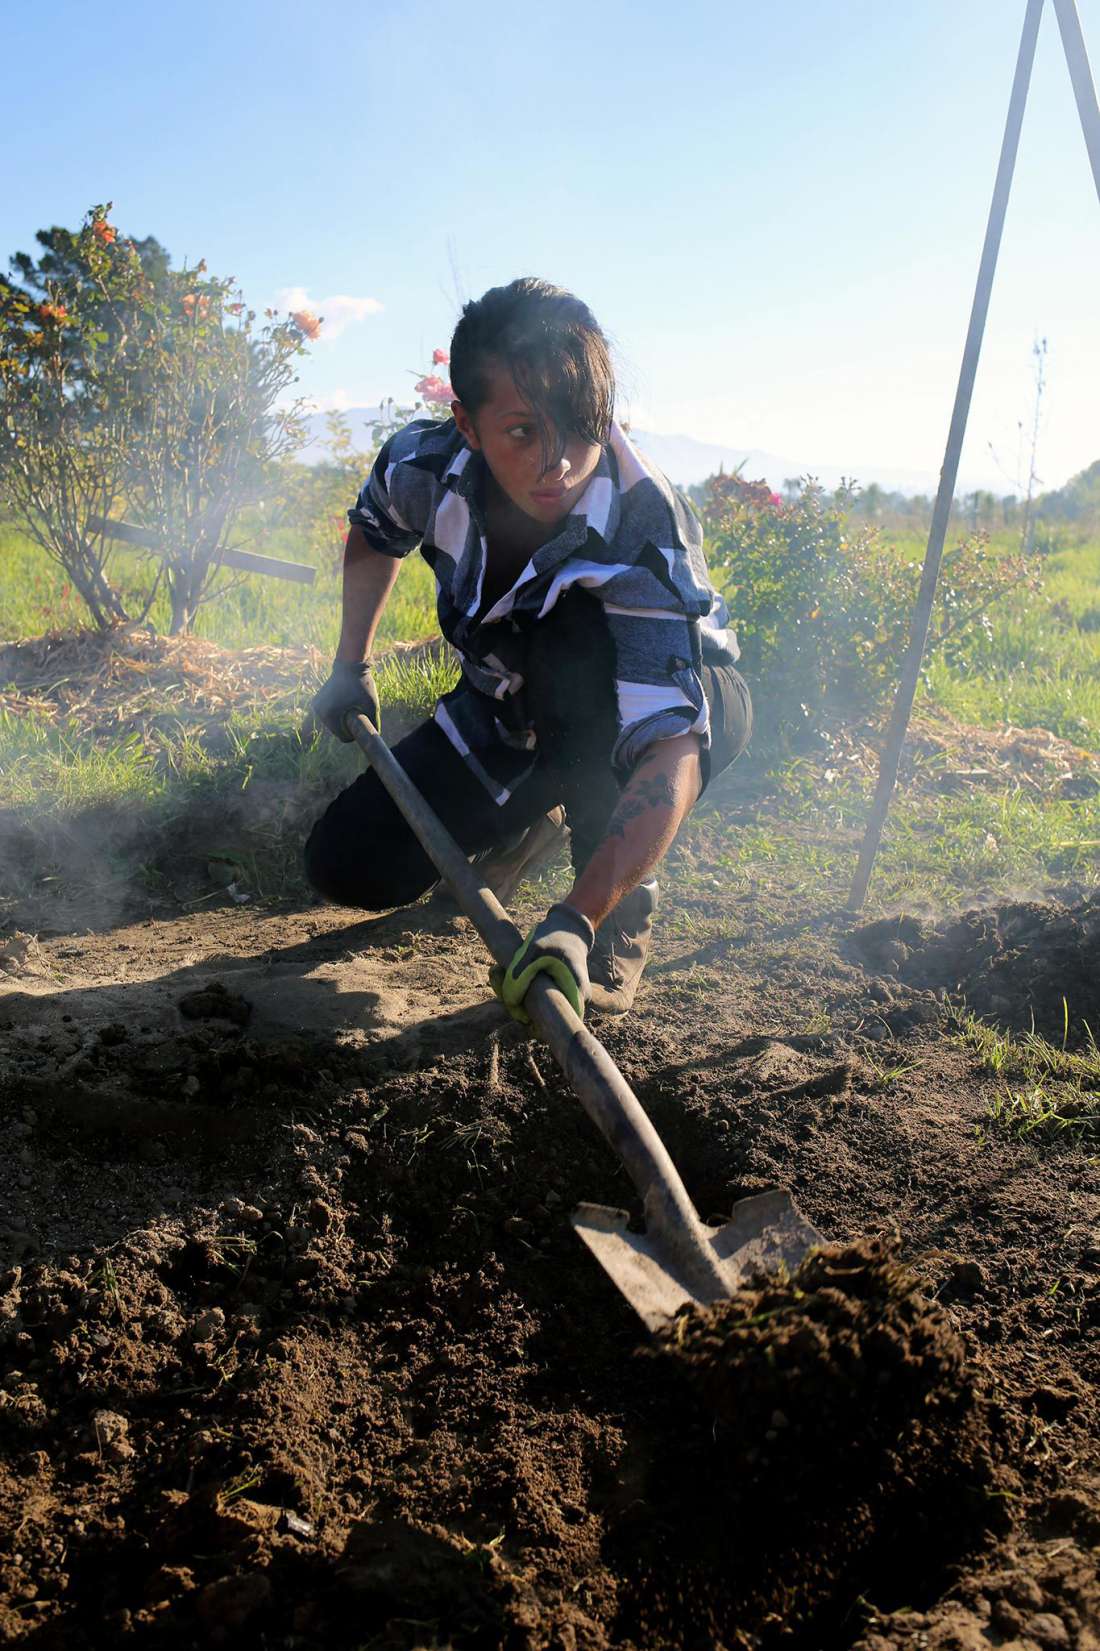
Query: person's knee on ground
{"type": "Point", "coordinates": [364, 876]}
{"type": "Point", "coordinates": [363, 853]}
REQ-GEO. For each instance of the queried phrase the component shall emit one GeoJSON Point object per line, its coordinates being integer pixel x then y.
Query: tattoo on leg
{"type": "Point", "coordinates": [654, 791]}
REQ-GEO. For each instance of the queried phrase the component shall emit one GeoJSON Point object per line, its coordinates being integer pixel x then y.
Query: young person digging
{"type": "Point", "coordinates": [598, 674]}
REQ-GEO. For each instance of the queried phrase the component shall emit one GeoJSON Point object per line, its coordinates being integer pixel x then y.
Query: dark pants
{"type": "Point", "coordinates": [361, 852]}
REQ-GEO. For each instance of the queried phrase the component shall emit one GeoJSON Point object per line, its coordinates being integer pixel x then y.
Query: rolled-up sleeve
{"type": "Point", "coordinates": [657, 681]}
{"type": "Point", "coordinates": [387, 506]}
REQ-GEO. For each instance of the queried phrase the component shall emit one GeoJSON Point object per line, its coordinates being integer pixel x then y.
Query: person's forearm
{"type": "Point", "coordinates": [647, 817]}
{"type": "Point", "coordinates": [369, 577]}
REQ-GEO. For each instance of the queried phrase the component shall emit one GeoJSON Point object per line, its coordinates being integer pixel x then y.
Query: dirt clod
{"type": "Point", "coordinates": [112, 1433]}
{"type": "Point", "coordinates": [229, 1603]}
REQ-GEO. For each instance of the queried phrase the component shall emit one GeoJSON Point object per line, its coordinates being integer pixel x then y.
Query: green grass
{"type": "Point", "coordinates": [1039, 666]}
{"type": "Point", "coordinates": [886, 1073]}
{"type": "Point", "coordinates": [98, 819]}
{"type": "Point", "coordinates": [940, 847]}
{"type": "Point", "coordinates": [107, 813]}
{"type": "Point", "coordinates": [250, 611]}
{"type": "Point", "coordinates": [1063, 696]}
{"type": "Point", "coordinates": [42, 766]}
{"type": "Point", "coordinates": [948, 847]}
{"type": "Point", "coordinates": [414, 684]}
{"type": "Point", "coordinates": [938, 850]}
{"type": "Point", "coordinates": [1044, 1114]}
{"type": "Point", "coordinates": [104, 813]}
{"type": "Point", "coordinates": [246, 791]}
{"type": "Point", "coordinates": [1045, 1091]}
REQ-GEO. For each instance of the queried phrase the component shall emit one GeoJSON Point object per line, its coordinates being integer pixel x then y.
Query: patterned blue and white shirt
{"type": "Point", "coordinates": [630, 540]}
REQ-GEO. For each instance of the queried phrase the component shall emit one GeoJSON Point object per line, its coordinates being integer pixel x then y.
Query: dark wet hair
{"type": "Point", "coordinates": [554, 349]}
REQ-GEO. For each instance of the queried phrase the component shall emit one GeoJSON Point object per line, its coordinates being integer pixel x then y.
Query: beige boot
{"type": "Point", "coordinates": [616, 961]}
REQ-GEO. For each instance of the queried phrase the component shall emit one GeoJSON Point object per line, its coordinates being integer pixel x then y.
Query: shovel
{"type": "Point", "coordinates": [677, 1259]}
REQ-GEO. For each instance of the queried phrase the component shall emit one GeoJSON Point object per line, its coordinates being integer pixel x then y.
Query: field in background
{"type": "Point", "coordinates": [249, 611]}
{"type": "Point", "coordinates": [1036, 668]}
{"type": "Point", "coordinates": [1039, 668]}
{"type": "Point", "coordinates": [149, 773]}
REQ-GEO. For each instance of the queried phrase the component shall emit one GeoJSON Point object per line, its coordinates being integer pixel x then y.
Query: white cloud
{"type": "Point", "coordinates": [337, 401]}
{"type": "Point", "coordinates": [337, 311]}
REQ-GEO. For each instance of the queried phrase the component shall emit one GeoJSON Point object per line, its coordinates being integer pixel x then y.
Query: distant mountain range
{"type": "Point", "coordinates": [687, 461]}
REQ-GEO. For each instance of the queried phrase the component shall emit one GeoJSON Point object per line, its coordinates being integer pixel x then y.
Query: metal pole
{"type": "Point", "coordinates": [922, 613]}
{"type": "Point", "coordinates": [1077, 59]}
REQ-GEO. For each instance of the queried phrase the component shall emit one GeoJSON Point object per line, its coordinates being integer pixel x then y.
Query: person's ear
{"type": "Point", "coordinates": [465, 425]}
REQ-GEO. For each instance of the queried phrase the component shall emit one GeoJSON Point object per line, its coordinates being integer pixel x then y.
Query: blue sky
{"type": "Point", "coordinates": [776, 212]}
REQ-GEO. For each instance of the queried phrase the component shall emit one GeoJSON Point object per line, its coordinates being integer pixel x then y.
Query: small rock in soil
{"type": "Point", "coordinates": [209, 1326]}
{"type": "Point", "coordinates": [112, 1435]}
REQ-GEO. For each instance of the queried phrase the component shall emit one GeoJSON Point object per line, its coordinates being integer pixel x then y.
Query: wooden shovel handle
{"type": "Point", "coordinates": [597, 1082]}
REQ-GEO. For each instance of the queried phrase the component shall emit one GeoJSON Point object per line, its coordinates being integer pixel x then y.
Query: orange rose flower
{"type": "Point", "coordinates": [306, 322]}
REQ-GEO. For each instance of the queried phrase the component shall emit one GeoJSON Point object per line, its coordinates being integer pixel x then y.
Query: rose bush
{"type": "Point", "coordinates": [822, 602]}
{"type": "Point", "coordinates": [127, 385]}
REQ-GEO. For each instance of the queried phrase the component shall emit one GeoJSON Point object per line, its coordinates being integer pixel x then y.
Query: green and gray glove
{"type": "Point", "coordinates": [558, 946]}
{"type": "Point", "coordinates": [349, 688]}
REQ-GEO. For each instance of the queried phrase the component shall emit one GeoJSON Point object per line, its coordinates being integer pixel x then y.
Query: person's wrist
{"type": "Point", "coordinates": [581, 921]}
{"type": "Point", "coordinates": [578, 901]}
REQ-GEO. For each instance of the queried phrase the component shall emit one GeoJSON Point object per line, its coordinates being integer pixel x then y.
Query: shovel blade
{"type": "Point", "coordinates": [765, 1234]}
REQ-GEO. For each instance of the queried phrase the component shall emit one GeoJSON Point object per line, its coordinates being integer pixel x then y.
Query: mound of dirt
{"type": "Point", "coordinates": [99, 681]}
{"type": "Point", "coordinates": [844, 1391]}
{"type": "Point", "coordinates": [1020, 965]}
{"type": "Point", "coordinates": [828, 1365]}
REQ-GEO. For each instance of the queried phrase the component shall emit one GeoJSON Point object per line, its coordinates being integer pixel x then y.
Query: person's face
{"type": "Point", "coordinates": [505, 432]}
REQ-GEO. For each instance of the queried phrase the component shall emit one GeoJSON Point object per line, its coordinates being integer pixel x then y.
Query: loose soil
{"type": "Point", "coordinates": [298, 1348]}
{"type": "Point", "coordinates": [1023, 966]}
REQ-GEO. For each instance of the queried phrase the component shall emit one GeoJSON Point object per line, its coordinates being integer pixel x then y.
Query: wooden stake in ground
{"type": "Point", "coordinates": [933, 556]}
{"type": "Point", "coordinates": [301, 573]}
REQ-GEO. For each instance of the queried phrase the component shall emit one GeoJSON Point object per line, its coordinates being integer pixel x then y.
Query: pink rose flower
{"type": "Point", "coordinates": [440, 358]}
{"type": "Point", "coordinates": [433, 388]}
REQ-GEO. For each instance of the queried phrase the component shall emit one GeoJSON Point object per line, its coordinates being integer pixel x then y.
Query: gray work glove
{"type": "Point", "coordinates": [349, 688]}
{"type": "Point", "coordinates": [558, 946]}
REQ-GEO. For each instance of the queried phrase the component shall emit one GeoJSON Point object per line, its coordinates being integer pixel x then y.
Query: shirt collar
{"type": "Point", "coordinates": [462, 472]}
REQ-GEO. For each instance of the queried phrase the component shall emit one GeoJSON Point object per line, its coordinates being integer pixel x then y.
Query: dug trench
{"type": "Point", "coordinates": [298, 1348]}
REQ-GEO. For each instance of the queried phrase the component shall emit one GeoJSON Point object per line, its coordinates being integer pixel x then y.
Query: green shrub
{"type": "Point", "coordinates": [822, 602]}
